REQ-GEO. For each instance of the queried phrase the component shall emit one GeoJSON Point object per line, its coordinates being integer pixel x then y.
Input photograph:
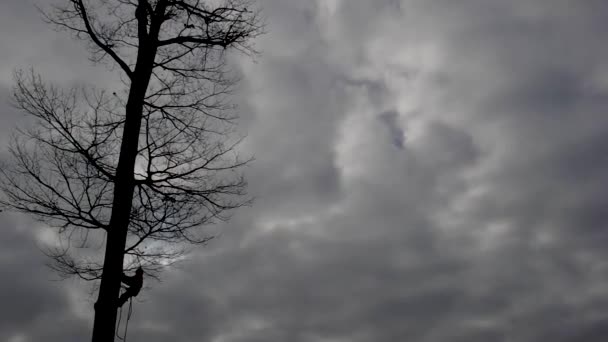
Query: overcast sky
{"type": "Point", "coordinates": [426, 170]}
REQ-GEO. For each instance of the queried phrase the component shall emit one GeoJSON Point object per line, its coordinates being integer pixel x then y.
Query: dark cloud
{"type": "Point", "coordinates": [394, 131]}
{"type": "Point", "coordinates": [34, 301]}
{"type": "Point", "coordinates": [424, 171]}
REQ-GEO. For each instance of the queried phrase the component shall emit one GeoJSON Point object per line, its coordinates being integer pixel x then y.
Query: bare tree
{"type": "Point", "coordinates": [146, 165]}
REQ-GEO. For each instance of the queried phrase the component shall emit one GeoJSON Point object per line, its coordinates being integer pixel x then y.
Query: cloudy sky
{"type": "Point", "coordinates": [426, 170]}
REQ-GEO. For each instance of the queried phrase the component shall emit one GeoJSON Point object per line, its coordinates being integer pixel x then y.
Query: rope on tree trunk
{"type": "Point", "coordinates": [124, 336]}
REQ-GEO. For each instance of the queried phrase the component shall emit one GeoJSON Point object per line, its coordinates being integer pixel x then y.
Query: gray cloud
{"type": "Point", "coordinates": [35, 304]}
{"type": "Point", "coordinates": [425, 171]}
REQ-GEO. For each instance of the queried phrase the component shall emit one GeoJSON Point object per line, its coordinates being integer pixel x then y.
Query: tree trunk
{"type": "Point", "coordinates": [106, 307]}
{"type": "Point", "coordinates": [109, 289]}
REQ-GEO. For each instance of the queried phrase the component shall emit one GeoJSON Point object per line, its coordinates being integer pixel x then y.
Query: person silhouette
{"type": "Point", "coordinates": [134, 284]}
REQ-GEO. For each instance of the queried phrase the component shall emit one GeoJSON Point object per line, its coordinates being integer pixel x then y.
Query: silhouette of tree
{"type": "Point", "coordinates": [146, 165]}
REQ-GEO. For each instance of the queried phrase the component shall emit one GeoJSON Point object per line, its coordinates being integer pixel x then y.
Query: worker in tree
{"type": "Point", "coordinates": [134, 284]}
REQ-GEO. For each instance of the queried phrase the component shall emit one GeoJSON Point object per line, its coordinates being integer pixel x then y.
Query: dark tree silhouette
{"type": "Point", "coordinates": [146, 165]}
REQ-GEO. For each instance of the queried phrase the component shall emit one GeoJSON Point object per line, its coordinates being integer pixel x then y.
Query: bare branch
{"type": "Point", "coordinates": [137, 172]}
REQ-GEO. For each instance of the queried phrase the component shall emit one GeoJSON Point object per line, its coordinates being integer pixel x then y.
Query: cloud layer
{"type": "Point", "coordinates": [425, 171]}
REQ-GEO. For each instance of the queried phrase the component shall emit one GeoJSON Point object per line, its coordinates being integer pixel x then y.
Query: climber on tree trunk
{"type": "Point", "coordinates": [134, 284]}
